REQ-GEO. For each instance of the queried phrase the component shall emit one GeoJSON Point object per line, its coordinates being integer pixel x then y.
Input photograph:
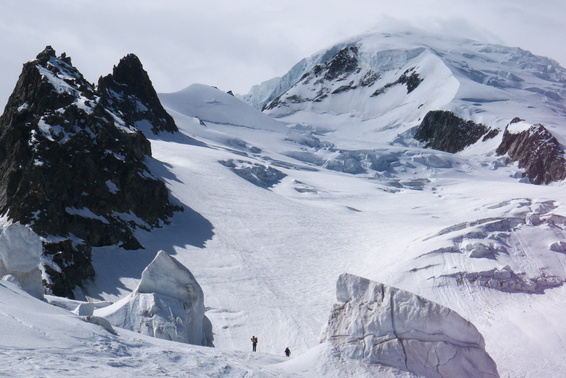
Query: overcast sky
{"type": "Point", "coordinates": [234, 44]}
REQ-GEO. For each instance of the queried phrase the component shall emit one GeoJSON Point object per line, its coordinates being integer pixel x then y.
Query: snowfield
{"type": "Point", "coordinates": [278, 208]}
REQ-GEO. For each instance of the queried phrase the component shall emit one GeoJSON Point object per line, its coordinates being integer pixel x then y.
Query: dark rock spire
{"type": "Point", "coordinates": [129, 84]}
{"type": "Point", "coordinates": [72, 163]}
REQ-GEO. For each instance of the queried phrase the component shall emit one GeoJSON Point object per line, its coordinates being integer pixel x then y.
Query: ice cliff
{"type": "Point", "coordinates": [168, 304]}
{"type": "Point", "coordinates": [20, 251]}
{"type": "Point", "coordinates": [378, 324]}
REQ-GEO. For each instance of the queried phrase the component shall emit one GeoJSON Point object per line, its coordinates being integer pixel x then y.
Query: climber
{"type": "Point", "coordinates": [287, 352]}
{"type": "Point", "coordinates": [254, 342]}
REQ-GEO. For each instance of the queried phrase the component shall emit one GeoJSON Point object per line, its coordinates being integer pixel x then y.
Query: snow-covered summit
{"type": "Point", "coordinates": [393, 80]}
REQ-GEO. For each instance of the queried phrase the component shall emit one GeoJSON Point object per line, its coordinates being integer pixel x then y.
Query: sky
{"type": "Point", "coordinates": [236, 44]}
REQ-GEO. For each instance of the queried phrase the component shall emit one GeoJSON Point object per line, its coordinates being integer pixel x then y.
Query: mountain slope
{"type": "Point", "coordinates": [358, 194]}
{"type": "Point", "coordinates": [361, 195]}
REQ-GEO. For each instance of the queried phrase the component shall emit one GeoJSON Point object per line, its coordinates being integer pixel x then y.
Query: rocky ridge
{"type": "Point", "coordinates": [445, 131]}
{"type": "Point", "coordinates": [536, 150]}
{"type": "Point", "coordinates": [72, 162]}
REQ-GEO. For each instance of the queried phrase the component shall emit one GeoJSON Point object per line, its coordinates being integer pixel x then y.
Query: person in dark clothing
{"type": "Point", "coordinates": [254, 343]}
{"type": "Point", "coordinates": [287, 352]}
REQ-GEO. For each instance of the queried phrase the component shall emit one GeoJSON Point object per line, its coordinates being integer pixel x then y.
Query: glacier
{"type": "Point", "coordinates": [462, 234]}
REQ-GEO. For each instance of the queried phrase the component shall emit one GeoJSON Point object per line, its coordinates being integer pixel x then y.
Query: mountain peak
{"type": "Point", "coordinates": [130, 71]}
{"type": "Point", "coordinates": [47, 53]}
{"type": "Point", "coordinates": [130, 85]}
{"type": "Point", "coordinates": [72, 162]}
{"type": "Point", "coordinates": [449, 93]}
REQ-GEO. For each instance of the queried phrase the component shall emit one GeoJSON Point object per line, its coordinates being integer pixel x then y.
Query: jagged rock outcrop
{"type": "Point", "coordinates": [536, 150]}
{"type": "Point", "coordinates": [343, 63]}
{"type": "Point", "coordinates": [378, 324]}
{"type": "Point", "coordinates": [410, 78]}
{"type": "Point", "coordinates": [445, 131]}
{"type": "Point", "coordinates": [131, 91]}
{"type": "Point", "coordinates": [168, 304]}
{"type": "Point", "coordinates": [72, 163]}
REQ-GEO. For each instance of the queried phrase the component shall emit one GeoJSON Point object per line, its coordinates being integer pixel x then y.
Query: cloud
{"type": "Point", "coordinates": [235, 45]}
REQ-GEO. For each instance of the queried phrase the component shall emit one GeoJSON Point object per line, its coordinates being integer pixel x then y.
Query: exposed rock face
{"type": "Point", "coordinates": [343, 63]}
{"type": "Point", "coordinates": [377, 324]}
{"type": "Point", "coordinates": [324, 77]}
{"type": "Point", "coordinates": [443, 130]}
{"type": "Point", "coordinates": [72, 162]}
{"type": "Point", "coordinates": [130, 87]}
{"type": "Point", "coordinates": [168, 304]}
{"type": "Point", "coordinates": [537, 151]}
{"type": "Point", "coordinates": [410, 78]}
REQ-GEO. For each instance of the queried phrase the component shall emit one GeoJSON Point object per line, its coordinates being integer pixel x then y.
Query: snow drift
{"type": "Point", "coordinates": [168, 304]}
{"type": "Point", "coordinates": [378, 324]}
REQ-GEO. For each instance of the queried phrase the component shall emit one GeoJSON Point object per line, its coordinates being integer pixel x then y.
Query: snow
{"type": "Point", "coordinates": [112, 187]}
{"type": "Point", "coordinates": [518, 127]}
{"type": "Point", "coordinates": [267, 258]}
{"type": "Point", "coordinates": [259, 93]}
{"type": "Point", "coordinates": [85, 213]}
{"type": "Point", "coordinates": [40, 339]}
